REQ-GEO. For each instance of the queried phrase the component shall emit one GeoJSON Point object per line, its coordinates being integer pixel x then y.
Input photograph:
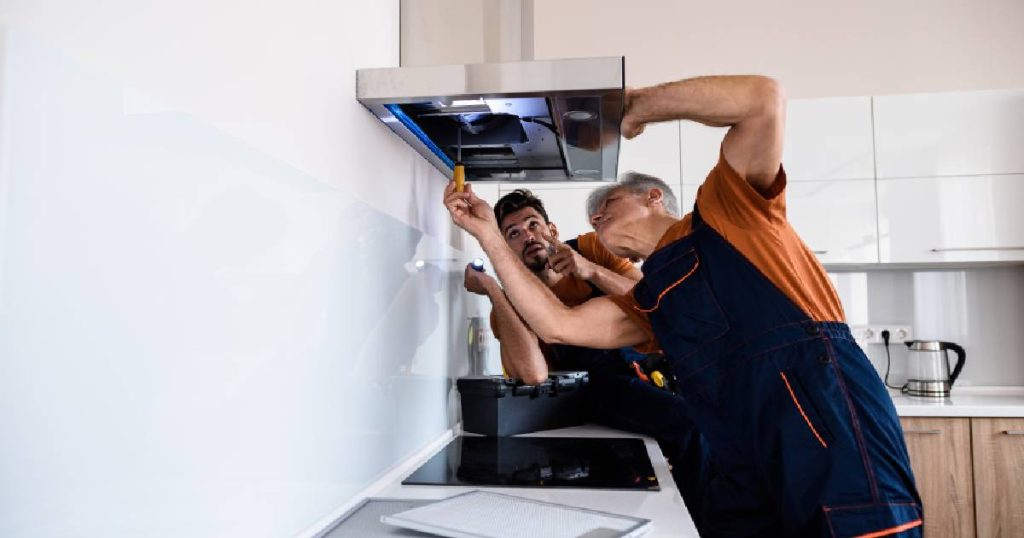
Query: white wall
{"type": "Point", "coordinates": [817, 49]}
{"type": "Point", "coordinates": [210, 319]}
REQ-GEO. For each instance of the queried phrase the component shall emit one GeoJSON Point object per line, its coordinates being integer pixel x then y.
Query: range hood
{"type": "Point", "coordinates": [554, 120]}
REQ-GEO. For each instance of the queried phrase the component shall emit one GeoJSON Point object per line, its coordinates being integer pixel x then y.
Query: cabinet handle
{"type": "Point", "coordinates": [958, 249]}
{"type": "Point", "coordinates": [820, 252]}
{"type": "Point", "coordinates": [1012, 432]}
{"type": "Point", "coordinates": [923, 432]}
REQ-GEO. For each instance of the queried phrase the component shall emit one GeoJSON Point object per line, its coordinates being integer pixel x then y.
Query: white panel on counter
{"type": "Point", "coordinates": [964, 402]}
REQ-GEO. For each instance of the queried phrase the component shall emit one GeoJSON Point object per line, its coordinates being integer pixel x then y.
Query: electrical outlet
{"type": "Point", "coordinates": [872, 334]}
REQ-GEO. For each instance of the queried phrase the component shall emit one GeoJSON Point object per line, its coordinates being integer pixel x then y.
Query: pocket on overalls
{"type": "Point", "coordinates": [682, 308]}
{"type": "Point", "coordinates": [804, 407]}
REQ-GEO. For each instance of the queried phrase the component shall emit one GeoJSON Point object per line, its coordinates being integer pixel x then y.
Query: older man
{"type": "Point", "coordinates": [804, 439]}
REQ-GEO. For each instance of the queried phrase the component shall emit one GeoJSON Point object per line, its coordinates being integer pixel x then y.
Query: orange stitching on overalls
{"type": "Point", "coordinates": [891, 530]}
{"type": "Point", "coordinates": [801, 409]}
{"type": "Point", "coordinates": [657, 303]}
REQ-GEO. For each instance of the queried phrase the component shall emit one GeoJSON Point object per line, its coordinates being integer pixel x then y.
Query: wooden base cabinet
{"type": "Point", "coordinates": [940, 454]}
{"type": "Point", "coordinates": [999, 475]}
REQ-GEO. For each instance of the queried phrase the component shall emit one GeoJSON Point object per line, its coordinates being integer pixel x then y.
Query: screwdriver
{"type": "Point", "coordinates": [460, 170]}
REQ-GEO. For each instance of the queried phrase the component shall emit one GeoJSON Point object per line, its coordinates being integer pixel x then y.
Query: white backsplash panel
{"type": "Point", "coordinates": [982, 309]}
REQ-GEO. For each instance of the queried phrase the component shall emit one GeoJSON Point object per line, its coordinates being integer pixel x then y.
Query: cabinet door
{"type": "Point", "coordinates": [949, 134]}
{"type": "Point", "coordinates": [836, 219]}
{"type": "Point", "coordinates": [655, 152]}
{"type": "Point", "coordinates": [940, 454]}
{"type": "Point", "coordinates": [951, 219]}
{"type": "Point", "coordinates": [999, 475]}
{"type": "Point", "coordinates": [699, 146]}
{"type": "Point", "coordinates": [826, 139]}
{"type": "Point", "coordinates": [829, 139]}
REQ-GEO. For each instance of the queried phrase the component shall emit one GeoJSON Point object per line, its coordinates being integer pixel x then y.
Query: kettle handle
{"type": "Point", "coordinates": [961, 355]}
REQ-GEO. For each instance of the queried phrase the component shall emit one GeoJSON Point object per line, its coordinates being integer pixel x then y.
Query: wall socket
{"type": "Point", "coordinates": [872, 334]}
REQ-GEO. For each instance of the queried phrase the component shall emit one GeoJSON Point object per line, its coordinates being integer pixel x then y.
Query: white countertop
{"type": "Point", "coordinates": [964, 402]}
{"type": "Point", "coordinates": [664, 508]}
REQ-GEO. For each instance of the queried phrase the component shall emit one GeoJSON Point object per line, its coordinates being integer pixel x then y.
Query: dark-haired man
{"type": "Point", "coordinates": [576, 271]}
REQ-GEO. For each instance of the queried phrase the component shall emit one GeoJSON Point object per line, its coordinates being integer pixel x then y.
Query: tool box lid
{"type": "Point", "coordinates": [499, 386]}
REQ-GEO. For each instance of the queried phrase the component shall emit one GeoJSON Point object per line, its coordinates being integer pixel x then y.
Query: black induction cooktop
{"type": "Point", "coordinates": [576, 462]}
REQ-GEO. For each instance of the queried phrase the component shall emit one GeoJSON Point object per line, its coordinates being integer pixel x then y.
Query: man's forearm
{"type": "Point", "coordinates": [520, 351]}
{"type": "Point", "coordinates": [716, 100]}
{"type": "Point", "coordinates": [610, 282]}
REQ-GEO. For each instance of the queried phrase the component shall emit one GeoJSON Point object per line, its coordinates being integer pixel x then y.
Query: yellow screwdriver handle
{"type": "Point", "coordinates": [658, 379]}
{"type": "Point", "coordinates": [459, 177]}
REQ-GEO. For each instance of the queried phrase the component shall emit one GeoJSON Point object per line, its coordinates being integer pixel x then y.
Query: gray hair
{"type": "Point", "coordinates": [637, 183]}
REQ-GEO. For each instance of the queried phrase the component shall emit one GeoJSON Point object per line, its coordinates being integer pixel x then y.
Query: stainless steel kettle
{"type": "Point", "coordinates": [928, 372]}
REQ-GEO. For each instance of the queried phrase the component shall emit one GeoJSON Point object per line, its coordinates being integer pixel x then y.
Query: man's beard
{"type": "Point", "coordinates": [537, 265]}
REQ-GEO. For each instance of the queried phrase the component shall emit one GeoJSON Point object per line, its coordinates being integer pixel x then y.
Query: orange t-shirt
{"type": "Point", "coordinates": [756, 226]}
{"type": "Point", "coordinates": [573, 290]}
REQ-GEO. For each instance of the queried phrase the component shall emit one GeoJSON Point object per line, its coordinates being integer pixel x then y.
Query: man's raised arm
{"type": "Point", "coordinates": [754, 107]}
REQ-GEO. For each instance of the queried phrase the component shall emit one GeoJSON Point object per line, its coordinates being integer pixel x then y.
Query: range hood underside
{"type": "Point", "coordinates": [525, 121]}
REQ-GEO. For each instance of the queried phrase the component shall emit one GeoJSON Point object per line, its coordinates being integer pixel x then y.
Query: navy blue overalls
{"type": "Point", "coordinates": [616, 398]}
{"type": "Point", "coordinates": [804, 439]}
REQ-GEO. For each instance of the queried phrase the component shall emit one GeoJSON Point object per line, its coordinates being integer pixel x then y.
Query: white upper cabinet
{"type": "Point", "coordinates": [951, 219]}
{"type": "Point", "coordinates": [829, 139]}
{"type": "Point", "coordinates": [835, 219]}
{"type": "Point", "coordinates": [950, 134]}
{"type": "Point", "coordinates": [654, 152]}
{"type": "Point", "coordinates": [699, 147]}
{"type": "Point", "coordinates": [826, 139]}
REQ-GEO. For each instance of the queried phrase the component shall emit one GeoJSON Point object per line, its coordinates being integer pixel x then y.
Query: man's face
{"type": "Point", "coordinates": [615, 220]}
{"type": "Point", "coordinates": [522, 230]}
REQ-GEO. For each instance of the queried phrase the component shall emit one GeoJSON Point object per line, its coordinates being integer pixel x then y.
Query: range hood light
{"type": "Point", "coordinates": [467, 102]}
{"type": "Point", "coordinates": [580, 115]}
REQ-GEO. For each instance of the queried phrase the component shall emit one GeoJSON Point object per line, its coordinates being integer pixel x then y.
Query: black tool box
{"type": "Point", "coordinates": [494, 405]}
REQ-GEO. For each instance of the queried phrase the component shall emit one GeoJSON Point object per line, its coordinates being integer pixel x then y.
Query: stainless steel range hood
{"type": "Point", "coordinates": [552, 120]}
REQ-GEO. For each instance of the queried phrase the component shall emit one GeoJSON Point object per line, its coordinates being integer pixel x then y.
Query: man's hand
{"type": "Point", "coordinates": [564, 260]}
{"type": "Point", "coordinates": [478, 282]}
{"type": "Point", "coordinates": [632, 126]}
{"type": "Point", "coordinates": [469, 212]}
